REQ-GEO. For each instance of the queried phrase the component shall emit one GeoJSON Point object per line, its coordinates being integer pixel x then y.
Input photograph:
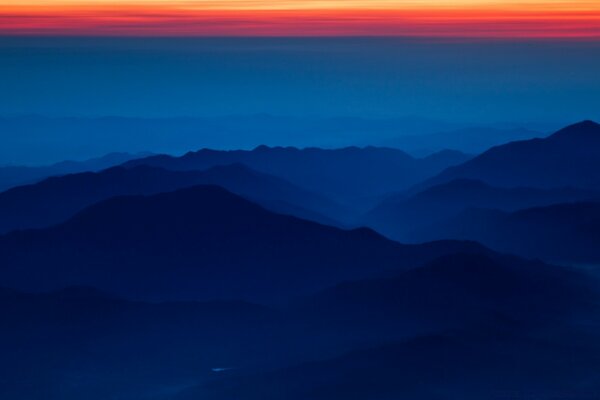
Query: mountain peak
{"type": "Point", "coordinates": [587, 128]}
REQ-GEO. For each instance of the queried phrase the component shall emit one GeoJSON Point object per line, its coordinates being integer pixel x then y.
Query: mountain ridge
{"type": "Point", "coordinates": [570, 156]}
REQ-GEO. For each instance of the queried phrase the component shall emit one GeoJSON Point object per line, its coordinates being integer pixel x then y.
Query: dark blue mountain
{"type": "Point", "coordinates": [458, 291]}
{"type": "Point", "coordinates": [347, 174]}
{"type": "Point", "coordinates": [463, 326]}
{"type": "Point", "coordinates": [54, 200]}
{"type": "Point", "coordinates": [81, 343]}
{"type": "Point", "coordinates": [503, 313]}
{"type": "Point", "coordinates": [566, 233]}
{"type": "Point", "coordinates": [445, 366]}
{"type": "Point", "coordinates": [200, 243]}
{"type": "Point", "coordinates": [569, 157]}
{"type": "Point", "coordinates": [401, 215]}
{"type": "Point", "coordinates": [11, 176]}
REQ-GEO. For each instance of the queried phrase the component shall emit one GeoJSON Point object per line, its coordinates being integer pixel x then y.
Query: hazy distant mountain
{"type": "Point", "coordinates": [472, 140]}
{"type": "Point", "coordinates": [189, 244]}
{"type": "Point", "coordinates": [347, 174]}
{"type": "Point", "coordinates": [68, 137]}
{"type": "Point", "coordinates": [399, 216]}
{"type": "Point", "coordinates": [569, 157]}
{"type": "Point", "coordinates": [11, 176]}
{"type": "Point", "coordinates": [55, 199]}
{"type": "Point", "coordinates": [567, 232]}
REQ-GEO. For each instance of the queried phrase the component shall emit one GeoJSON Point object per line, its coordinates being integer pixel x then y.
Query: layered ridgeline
{"type": "Point", "coordinates": [569, 157]}
{"type": "Point", "coordinates": [351, 175]}
{"type": "Point", "coordinates": [405, 217]}
{"type": "Point", "coordinates": [194, 292]}
{"type": "Point", "coordinates": [562, 233]}
{"type": "Point", "coordinates": [200, 243]}
{"type": "Point", "coordinates": [54, 200]}
{"type": "Point", "coordinates": [536, 198]}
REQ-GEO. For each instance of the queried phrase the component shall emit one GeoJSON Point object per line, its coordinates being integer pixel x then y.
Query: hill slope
{"type": "Point", "coordinates": [54, 200]}
{"type": "Point", "coordinates": [475, 328]}
{"type": "Point", "coordinates": [400, 216]}
{"type": "Point", "coordinates": [569, 157]}
{"type": "Point", "coordinates": [566, 233]}
{"type": "Point", "coordinates": [200, 243]}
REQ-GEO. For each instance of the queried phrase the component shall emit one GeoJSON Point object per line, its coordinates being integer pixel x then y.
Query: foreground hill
{"type": "Point", "coordinates": [342, 174]}
{"type": "Point", "coordinates": [455, 317]}
{"type": "Point", "coordinates": [54, 200]}
{"type": "Point", "coordinates": [567, 232]}
{"type": "Point", "coordinates": [456, 291]}
{"type": "Point", "coordinates": [201, 243]}
{"type": "Point", "coordinates": [460, 327]}
{"type": "Point", "coordinates": [401, 215]}
{"type": "Point", "coordinates": [453, 366]}
{"type": "Point", "coordinates": [569, 157]}
{"type": "Point", "coordinates": [81, 343]}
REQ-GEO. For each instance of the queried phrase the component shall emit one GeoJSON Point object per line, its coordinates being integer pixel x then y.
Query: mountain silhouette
{"type": "Point", "coordinates": [347, 174]}
{"type": "Point", "coordinates": [569, 157]}
{"type": "Point", "coordinates": [565, 233]}
{"type": "Point", "coordinates": [54, 200]}
{"type": "Point", "coordinates": [400, 215]}
{"type": "Point", "coordinates": [201, 243]}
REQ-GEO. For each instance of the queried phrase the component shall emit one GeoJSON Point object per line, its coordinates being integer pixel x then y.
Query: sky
{"type": "Point", "coordinates": [467, 62]}
{"type": "Point", "coordinates": [564, 19]}
{"type": "Point", "coordinates": [473, 81]}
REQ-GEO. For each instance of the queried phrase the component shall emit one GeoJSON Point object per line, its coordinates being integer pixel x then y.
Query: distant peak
{"type": "Point", "coordinates": [585, 128]}
{"type": "Point", "coordinates": [262, 147]}
{"type": "Point", "coordinates": [588, 122]}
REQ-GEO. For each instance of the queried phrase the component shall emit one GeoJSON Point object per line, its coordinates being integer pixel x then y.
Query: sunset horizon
{"type": "Point", "coordinates": [571, 20]}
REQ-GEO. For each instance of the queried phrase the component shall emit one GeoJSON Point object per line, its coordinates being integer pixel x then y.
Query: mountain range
{"type": "Point", "coordinates": [275, 273]}
{"type": "Point", "coordinates": [56, 199]}
{"type": "Point", "coordinates": [401, 216]}
{"type": "Point", "coordinates": [349, 175]}
{"type": "Point", "coordinates": [569, 157]}
{"type": "Point", "coordinates": [188, 244]}
{"type": "Point", "coordinates": [61, 138]}
{"type": "Point", "coordinates": [566, 233]}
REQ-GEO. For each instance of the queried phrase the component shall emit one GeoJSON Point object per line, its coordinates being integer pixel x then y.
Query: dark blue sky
{"type": "Point", "coordinates": [393, 77]}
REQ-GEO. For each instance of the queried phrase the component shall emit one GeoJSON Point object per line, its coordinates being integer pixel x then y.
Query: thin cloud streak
{"type": "Point", "coordinates": [440, 18]}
